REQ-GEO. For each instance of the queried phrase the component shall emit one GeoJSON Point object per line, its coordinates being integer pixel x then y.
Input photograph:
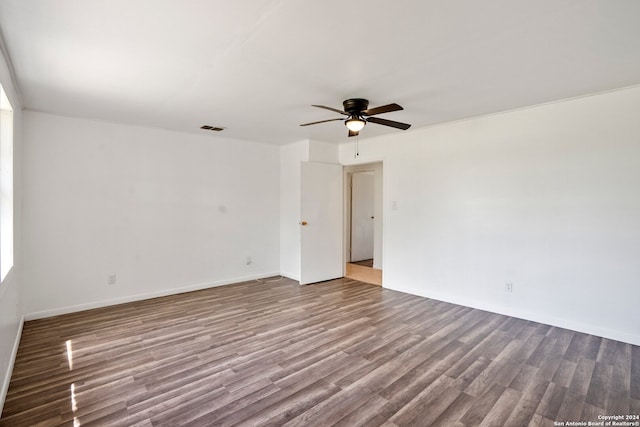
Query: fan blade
{"type": "Point", "coordinates": [383, 109]}
{"type": "Point", "coordinates": [398, 125]}
{"type": "Point", "coordinates": [331, 109]}
{"type": "Point", "coordinates": [321, 121]}
{"type": "Point", "coordinates": [353, 133]}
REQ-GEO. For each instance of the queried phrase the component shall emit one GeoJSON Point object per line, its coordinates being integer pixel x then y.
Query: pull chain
{"type": "Point", "coordinates": [357, 149]}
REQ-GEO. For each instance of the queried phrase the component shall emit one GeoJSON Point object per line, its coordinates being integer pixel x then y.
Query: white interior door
{"type": "Point", "coordinates": [320, 222]}
{"type": "Point", "coordinates": [362, 215]}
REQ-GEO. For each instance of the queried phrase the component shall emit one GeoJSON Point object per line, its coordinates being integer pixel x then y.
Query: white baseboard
{"type": "Point", "coordinates": [291, 276]}
{"type": "Point", "coordinates": [7, 376]}
{"type": "Point", "coordinates": [546, 319]}
{"type": "Point", "coordinates": [140, 297]}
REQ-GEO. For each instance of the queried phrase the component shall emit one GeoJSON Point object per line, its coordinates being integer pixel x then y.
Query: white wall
{"type": "Point", "coordinates": [323, 152]}
{"type": "Point", "coordinates": [163, 211]}
{"type": "Point", "coordinates": [545, 197]}
{"type": "Point", "coordinates": [11, 292]}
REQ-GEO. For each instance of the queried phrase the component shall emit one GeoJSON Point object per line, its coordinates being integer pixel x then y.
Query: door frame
{"type": "Point", "coordinates": [376, 166]}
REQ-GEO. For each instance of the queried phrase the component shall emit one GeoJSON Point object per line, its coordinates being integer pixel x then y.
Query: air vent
{"type": "Point", "coordinates": [213, 128]}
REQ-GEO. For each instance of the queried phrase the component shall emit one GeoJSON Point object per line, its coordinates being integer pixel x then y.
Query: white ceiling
{"type": "Point", "coordinates": [255, 66]}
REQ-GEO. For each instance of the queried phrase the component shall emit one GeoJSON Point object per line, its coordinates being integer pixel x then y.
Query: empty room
{"type": "Point", "coordinates": [319, 213]}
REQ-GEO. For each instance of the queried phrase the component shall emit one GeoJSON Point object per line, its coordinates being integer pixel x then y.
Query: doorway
{"type": "Point", "coordinates": [363, 222]}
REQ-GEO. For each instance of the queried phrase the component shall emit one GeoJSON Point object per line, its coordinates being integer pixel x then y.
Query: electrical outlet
{"type": "Point", "coordinates": [508, 287]}
{"type": "Point", "coordinates": [111, 279]}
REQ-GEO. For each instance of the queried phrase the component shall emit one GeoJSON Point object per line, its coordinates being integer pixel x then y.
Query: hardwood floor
{"type": "Point", "coordinates": [335, 353]}
{"type": "Point", "coordinates": [364, 263]}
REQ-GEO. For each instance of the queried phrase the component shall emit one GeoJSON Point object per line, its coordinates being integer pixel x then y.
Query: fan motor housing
{"type": "Point", "coordinates": [355, 105]}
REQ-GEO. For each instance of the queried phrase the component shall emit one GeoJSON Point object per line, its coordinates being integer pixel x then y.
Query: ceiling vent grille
{"type": "Point", "coordinates": [212, 128]}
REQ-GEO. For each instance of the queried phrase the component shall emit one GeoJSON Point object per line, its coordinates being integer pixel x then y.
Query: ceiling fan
{"type": "Point", "coordinates": [359, 114]}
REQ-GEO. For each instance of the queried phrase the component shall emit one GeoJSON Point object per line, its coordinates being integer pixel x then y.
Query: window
{"type": "Point", "coordinates": [6, 185]}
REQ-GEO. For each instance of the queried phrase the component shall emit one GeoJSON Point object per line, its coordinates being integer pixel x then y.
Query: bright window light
{"type": "Point", "coordinates": [6, 185]}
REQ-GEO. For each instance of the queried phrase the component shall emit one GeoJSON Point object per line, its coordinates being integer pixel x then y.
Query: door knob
{"type": "Point", "coordinates": [303, 223]}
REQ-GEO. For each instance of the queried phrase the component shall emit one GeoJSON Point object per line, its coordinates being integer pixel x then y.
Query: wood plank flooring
{"type": "Point", "coordinates": [336, 353]}
{"type": "Point", "coordinates": [364, 262]}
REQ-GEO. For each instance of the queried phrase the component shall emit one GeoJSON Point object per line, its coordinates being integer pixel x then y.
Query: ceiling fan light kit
{"type": "Point", "coordinates": [359, 114]}
{"type": "Point", "coordinates": [355, 123]}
